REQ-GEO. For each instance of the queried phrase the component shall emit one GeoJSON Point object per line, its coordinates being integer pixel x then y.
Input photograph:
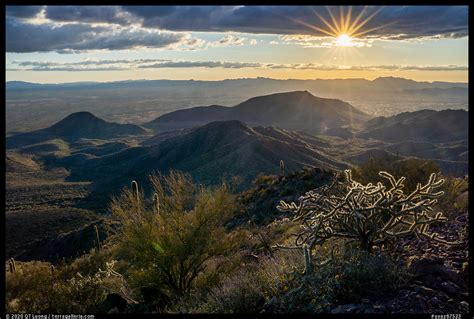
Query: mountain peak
{"type": "Point", "coordinates": [295, 110]}
{"type": "Point", "coordinates": [226, 127]}
{"type": "Point", "coordinates": [83, 115]}
{"type": "Point", "coordinates": [86, 124]}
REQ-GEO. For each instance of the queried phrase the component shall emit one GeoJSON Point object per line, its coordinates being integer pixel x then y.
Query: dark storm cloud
{"type": "Point", "coordinates": [25, 37]}
{"type": "Point", "coordinates": [138, 26]}
{"type": "Point", "coordinates": [108, 14]}
{"type": "Point", "coordinates": [388, 22]}
{"type": "Point", "coordinates": [23, 11]}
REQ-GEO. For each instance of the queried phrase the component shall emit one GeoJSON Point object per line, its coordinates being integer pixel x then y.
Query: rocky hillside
{"type": "Point", "coordinates": [210, 153]}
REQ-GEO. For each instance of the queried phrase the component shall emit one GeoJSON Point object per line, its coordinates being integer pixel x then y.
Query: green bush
{"type": "Point", "coordinates": [364, 275]}
{"type": "Point", "coordinates": [169, 243]}
{"type": "Point", "coordinates": [415, 170]}
{"type": "Point", "coordinates": [340, 276]}
{"type": "Point", "coordinates": [246, 289]}
{"type": "Point", "coordinates": [454, 202]}
{"type": "Point", "coordinates": [36, 287]}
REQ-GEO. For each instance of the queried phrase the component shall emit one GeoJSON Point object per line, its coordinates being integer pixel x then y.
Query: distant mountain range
{"type": "Point", "coordinates": [384, 83]}
{"type": "Point", "coordinates": [345, 89]}
{"type": "Point", "coordinates": [141, 101]}
{"type": "Point", "coordinates": [245, 140]}
{"type": "Point", "coordinates": [298, 110]}
{"type": "Point", "coordinates": [73, 127]}
{"type": "Point", "coordinates": [425, 126]}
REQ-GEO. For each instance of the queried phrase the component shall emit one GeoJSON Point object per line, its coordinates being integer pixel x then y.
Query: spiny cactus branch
{"type": "Point", "coordinates": [368, 213]}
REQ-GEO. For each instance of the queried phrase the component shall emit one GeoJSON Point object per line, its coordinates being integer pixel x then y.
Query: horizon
{"type": "Point", "coordinates": [235, 79]}
{"type": "Point", "coordinates": [63, 44]}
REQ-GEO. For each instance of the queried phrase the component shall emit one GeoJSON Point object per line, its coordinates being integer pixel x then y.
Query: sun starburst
{"type": "Point", "coordinates": [342, 26]}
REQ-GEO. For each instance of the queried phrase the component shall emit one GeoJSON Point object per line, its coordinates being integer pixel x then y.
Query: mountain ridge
{"type": "Point", "coordinates": [296, 110]}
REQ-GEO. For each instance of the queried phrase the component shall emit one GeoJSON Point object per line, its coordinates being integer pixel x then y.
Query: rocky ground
{"type": "Point", "coordinates": [439, 275]}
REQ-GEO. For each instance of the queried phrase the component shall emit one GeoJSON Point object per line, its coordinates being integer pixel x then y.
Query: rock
{"type": "Point", "coordinates": [432, 270]}
{"type": "Point", "coordinates": [450, 288]}
{"type": "Point", "coordinates": [379, 308]}
{"type": "Point", "coordinates": [270, 305]}
{"type": "Point", "coordinates": [154, 296]}
{"type": "Point", "coordinates": [349, 308]}
{"type": "Point", "coordinates": [464, 306]}
{"type": "Point", "coordinates": [114, 310]}
{"type": "Point", "coordinates": [425, 290]}
{"type": "Point", "coordinates": [435, 301]}
{"type": "Point", "coordinates": [111, 302]}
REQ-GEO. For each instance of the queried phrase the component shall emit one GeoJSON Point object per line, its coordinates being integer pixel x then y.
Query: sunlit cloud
{"type": "Point", "coordinates": [309, 41]}
{"type": "Point", "coordinates": [131, 64]}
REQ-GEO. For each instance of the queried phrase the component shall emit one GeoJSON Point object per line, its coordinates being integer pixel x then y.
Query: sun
{"type": "Point", "coordinates": [344, 40]}
{"type": "Point", "coordinates": [345, 28]}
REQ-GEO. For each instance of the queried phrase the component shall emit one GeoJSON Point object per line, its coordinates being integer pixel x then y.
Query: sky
{"type": "Point", "coordinates": [56, 44]}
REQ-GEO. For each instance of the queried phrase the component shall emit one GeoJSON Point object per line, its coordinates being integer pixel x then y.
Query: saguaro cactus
{"type": "Point", "coordinates": [135, 189]}
{"type": "Point", "coordinates": [282, 168]}
{"type": "Point", "coordinates": [307, 260]}
{"type": "Point", "coordinates": [156, 201]}
{"type": "Point", "coordinates": [99, 246]}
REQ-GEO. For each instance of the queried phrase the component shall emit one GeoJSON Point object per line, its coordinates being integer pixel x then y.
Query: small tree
{"type": "Point", "coordinates": [170, 249]}
{"type": "Point", "coordinates": [367, 214]}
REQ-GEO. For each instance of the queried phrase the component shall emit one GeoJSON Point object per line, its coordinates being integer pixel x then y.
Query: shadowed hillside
{"type": "Point", "coordinates": [425, 125]}
{"type": "Point", "coordinates": [210, 153]}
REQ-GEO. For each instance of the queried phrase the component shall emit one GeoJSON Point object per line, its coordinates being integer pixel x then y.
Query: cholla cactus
{"type": "Point", "coordinates": [156, 201]}
{"type": "Point", "coordinates": [282, 168]}
{"type": "Point", "coordinates": [368, 214]}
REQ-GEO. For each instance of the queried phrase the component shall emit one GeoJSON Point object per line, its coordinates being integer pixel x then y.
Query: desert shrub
{"type": "Point", "coordinates": [361, 275]}
{"type": "Point", "coordinates": [263, 179]}
{"type": "Point", "coordinates": [341, 274]}
{"type": "Point", "coordinates": [36, 287]}
{"type": "Point", "coordinates": [415, 170]}
{"type": "Point", "coordinates": [454, 201]}
{"type": "Point", "coordinates": [246, 289]}
{"type": "Point", "coordinates": [367, 214]}
{"type": "Point", "coordinates": [169, 242]}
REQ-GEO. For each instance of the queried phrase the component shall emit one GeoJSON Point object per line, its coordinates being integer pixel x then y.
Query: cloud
{"type": "Point", "coordinates": [79, 28]}
{"type": "Point", "coordinates": [23, 11]}
{"type": "Point", "coordinates": [309, 41]}
{"type": "Point", "coordinates": [393, 22]}
{"type": "Point", "coordinates": [131, 64]}
{"type": "Point", "coordinates": [86, 62]}
{"type": "Point", "coordinates": [203, 64]}
{"type": "Point", "coordinates": [228, 40]}
{"type": "Point", "coordinates": [26, 37]}
{"type": "Point", "coordinates": [106, 14]}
